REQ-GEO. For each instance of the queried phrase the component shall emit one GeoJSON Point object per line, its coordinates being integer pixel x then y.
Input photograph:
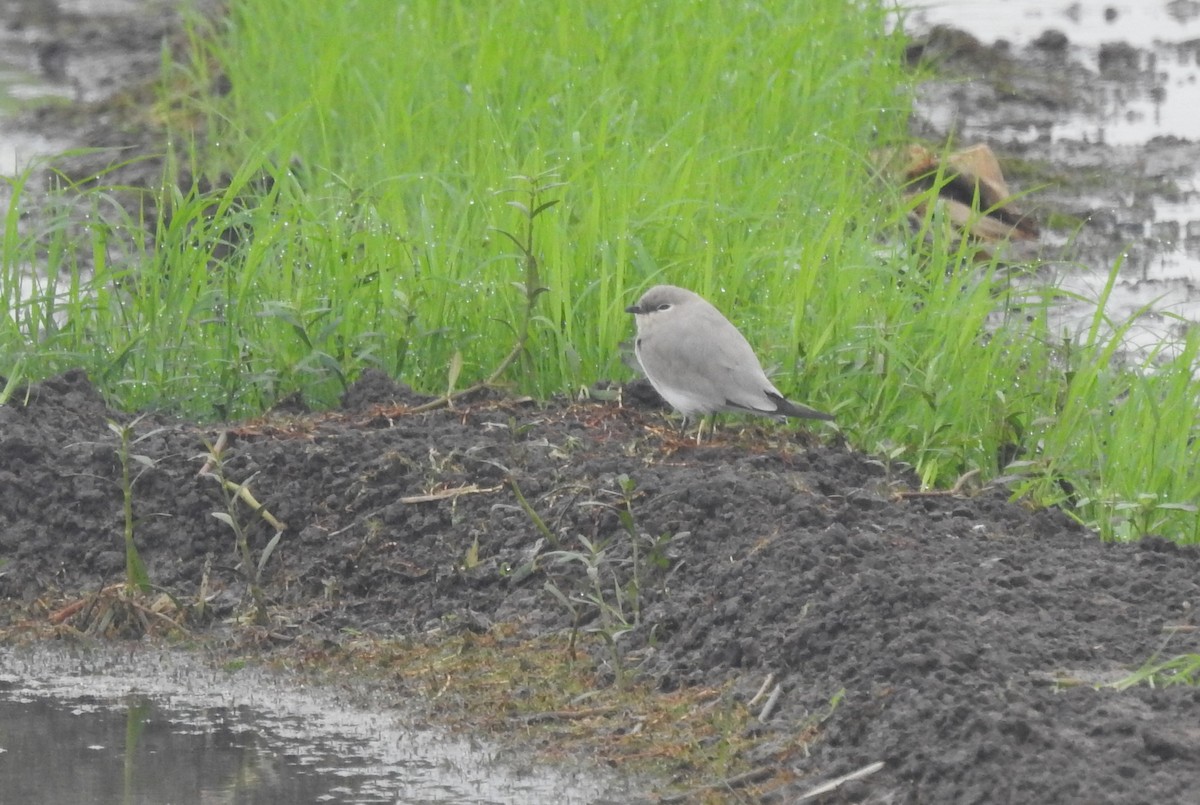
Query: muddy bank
{"type": "Point", "coordinates": [954, 639]}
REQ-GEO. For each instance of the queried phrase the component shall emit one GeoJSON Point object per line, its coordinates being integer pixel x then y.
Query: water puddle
{"type": "Point", "coordinates": [1140, 23]}
{"type": "Point", "coordinates": [30, 62]}
{"type": "Point", "coordinates": [1159, 41]}
{"type": "Point", "coordinates": [145, 727]}
{"type": "Point", "coordinates": [68, 50]}
{"type": "Point", "coordinates": [1141, 117]}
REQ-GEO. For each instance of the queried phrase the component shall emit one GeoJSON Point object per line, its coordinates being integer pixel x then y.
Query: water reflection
{"type": "Point", "coordinates": [155, 728]}
{"type": "Point", "coordinates": [137, 752]}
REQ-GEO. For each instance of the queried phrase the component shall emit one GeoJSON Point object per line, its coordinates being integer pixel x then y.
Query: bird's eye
{"type": "Point", "coordinates": [663, 306]}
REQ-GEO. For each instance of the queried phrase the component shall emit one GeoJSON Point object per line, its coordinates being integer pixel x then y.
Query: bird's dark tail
{"type": "Point", "coordinates": [789, 408]}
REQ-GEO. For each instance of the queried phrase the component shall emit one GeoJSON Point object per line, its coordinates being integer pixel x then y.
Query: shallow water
{"type": "Point", "coordinates": [18, 146]}
{"type": "Point", "coordinates": [1140, 23]}
{"type": "Point", "coordinates": [54, 50]}
{"type": "Point", "coordinates": [1155, 117]}
{"type": "Point", "coordinates": [1167, 106]}
{"type": "Point", "coordinates": [146, 726]}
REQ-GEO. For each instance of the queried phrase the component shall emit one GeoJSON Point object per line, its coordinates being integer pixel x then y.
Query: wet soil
{"type": "Point", "coordinates": [965, 632]}
{"type": "Point", "coordinates": [960, 640]}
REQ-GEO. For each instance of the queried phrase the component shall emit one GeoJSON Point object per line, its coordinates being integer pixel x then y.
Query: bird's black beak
{"type": "Point", "coordinates": [634, 309]}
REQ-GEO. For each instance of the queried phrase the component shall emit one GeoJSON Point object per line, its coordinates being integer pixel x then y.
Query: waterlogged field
{"type": "Point", "coordinates": [455, 193]}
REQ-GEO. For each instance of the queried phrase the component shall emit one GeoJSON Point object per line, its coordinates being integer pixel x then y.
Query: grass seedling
{"type": "Point", "coordinates": [136, 577]}
{"type": "Point", "coordinates": [530, 287]}
{"type": "Point", "coordinates": [233, 493]}
{"type": "Point", "coordinates": [125, 608]}
{"type": "Point", "coordinates": [608, 605]}
{"type": "Point", "coordinates": [612, 588]}
{"type": "Point", "coordinates": [655, 558]}
{"type": "Point", "coordinates": [625, 515]}
{"type": "Point", "coordinates": [1181, 670]}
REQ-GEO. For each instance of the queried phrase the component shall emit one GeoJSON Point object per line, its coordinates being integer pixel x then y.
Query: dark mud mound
{"type": "Point", "coordinates": [965, 633]}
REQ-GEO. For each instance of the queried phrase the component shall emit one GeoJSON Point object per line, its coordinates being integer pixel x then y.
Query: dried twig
{"type": "Point", "coordinates": [762, 691]}
{"type": "Point", "coordinates": [769, 707]}
{"type": "Point", "coordinates": [728, 784]}
{"type": "Point", "coordinates": [825, 788]}
{"type": "Point", "coordinates": [458, 491]}
{"type": "Point", "coordinates": [958, 489]}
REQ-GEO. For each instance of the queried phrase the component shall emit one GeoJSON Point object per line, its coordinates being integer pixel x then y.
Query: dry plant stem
{"type": "Point", "coordinates": [769, 707]}
{"type": "Point", "coordinates": [959, 488]}
{"type": "Point", "coordinates": [241, 490]}
{"type": "Point", "coordinates": [729, 784]}
{"type": "Point", "coordinates": [243, 546]}
{"type": "Point", "coordinates": [458, 491]}
{"type": "Point", "coordinates": [107, 596]}
{"type": "Point", "coordinates": [762, 690]}
{"type": "Point", "coordinates": [832, 785]}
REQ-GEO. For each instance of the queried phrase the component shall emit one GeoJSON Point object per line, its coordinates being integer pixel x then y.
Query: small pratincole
{"type": "Point", "coordinates": [699, 362]}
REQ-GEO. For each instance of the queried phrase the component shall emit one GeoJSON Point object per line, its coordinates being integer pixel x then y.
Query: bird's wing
{"type": "Point", "coordinates": [683, 378]}
{"type": "Point", "coordinates": [715, 364]}
{"type": "Point", "coordinates": [746, 384]}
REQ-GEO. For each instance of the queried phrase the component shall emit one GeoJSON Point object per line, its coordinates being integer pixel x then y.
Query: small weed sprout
{"type": "Point", "coordinates": [136, 576]}
{"type": "Point", "coordinates": [530, 287]}
{"type": "Point", "coordinates": [1181, 670]}
{"type": "Point", "coordinates": [531, 513]}
{"type": "Point", "coordinates": [233, 492]}
{"type": "Point", "coordinates": [611, 623]}
{"type": "Point", "coordinates": [1145, 515]}
{"type": "Point", "coordinates": [612, 588]}
{"type": "Point", "coordinates": [124, 608]}
{"type": "Point", "coordinates": [656, 547]}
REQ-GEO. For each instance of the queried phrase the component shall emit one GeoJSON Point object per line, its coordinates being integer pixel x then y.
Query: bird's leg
{"type": "Point", "coordinates": [712, 427]}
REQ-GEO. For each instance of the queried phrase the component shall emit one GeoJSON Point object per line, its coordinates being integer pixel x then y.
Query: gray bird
{"type": "Point", "coordinates": [699, 362]}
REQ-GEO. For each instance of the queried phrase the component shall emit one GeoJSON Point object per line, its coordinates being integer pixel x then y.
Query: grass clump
{"type": "Point", "coordinates": [351, 206]}
{"type": "Point", "coordinates": [1183, 669]}
{"type": "Point", "coordinates": [695, 735]}
{"type": "Point", "coordinates": [359, 171]}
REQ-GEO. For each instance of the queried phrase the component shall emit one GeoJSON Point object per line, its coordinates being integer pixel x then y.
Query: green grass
{"type": "Point", "coordinates": [724, 149]}
{"type": "Point", "coordinates": [366, 160]}
{"type": "Point", "coordinates": [370, 162]}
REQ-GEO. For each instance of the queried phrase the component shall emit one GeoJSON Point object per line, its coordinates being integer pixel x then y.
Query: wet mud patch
{"type": "Point", "coordinates": [957, 640]}
{"type": "Point", "coordinates": [1098, 142]}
